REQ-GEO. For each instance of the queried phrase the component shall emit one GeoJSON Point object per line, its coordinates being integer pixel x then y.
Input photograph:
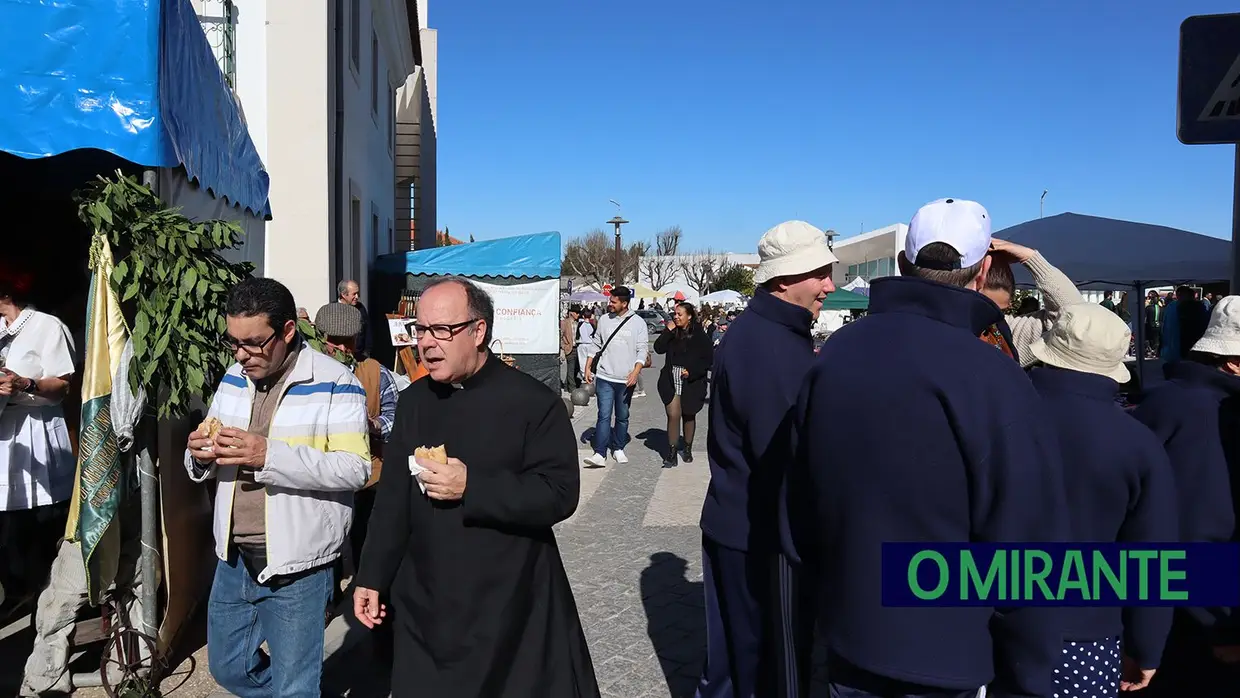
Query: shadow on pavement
{"type": "Point", "coordinates": [654, 439]}
{"type": "Point", "coordinates": [675, 621]}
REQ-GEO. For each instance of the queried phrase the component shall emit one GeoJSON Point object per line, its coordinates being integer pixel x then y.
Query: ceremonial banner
{"type": "Point", "coordinates": [526, 316]}
{"type": "Point", "coordinates": [101, 478]}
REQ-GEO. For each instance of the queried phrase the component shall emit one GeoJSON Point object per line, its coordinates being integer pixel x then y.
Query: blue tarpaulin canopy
{"type": "Point", "coordinates": [533, 256]}
{"type": "Point", "coordinates": [1105, 251]}
{"type": "Point", "coordinates": [135, 78]}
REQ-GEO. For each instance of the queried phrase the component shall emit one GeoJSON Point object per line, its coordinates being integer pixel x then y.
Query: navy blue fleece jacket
{"type": "Point", "coordinates": [758, 369]}
{"type": "Point", "coordinates": [1119, 488]}
{"type": "Point", "coordinates": [1196, 416]}
{"type": "Point", "coordinates": [911, 428]}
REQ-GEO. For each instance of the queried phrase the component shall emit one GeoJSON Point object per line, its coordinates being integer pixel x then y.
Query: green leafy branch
{"type": "Point", "coordinates": [173, 283]}
{"type": "Point", "coordinates": [318, 342]}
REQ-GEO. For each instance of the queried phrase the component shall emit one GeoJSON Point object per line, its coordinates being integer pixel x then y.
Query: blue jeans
{"type": "Point", "coordinates": [611, 396]}
{"type": "Point", "coordinates": [290, 619]}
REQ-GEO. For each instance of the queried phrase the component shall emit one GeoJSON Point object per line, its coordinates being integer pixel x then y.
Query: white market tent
{"type": "Point", "coordinates": [726, 296]}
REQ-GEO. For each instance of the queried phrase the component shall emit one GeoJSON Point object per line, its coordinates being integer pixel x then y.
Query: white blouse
{"type": "Point", "coordinates": [42, 348]}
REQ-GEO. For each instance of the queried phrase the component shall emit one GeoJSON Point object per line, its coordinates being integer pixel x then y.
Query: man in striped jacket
{"type": "Point", "coordinates": [286, 439]}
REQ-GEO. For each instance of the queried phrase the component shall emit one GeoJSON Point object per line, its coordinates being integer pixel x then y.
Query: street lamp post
{"type": "Point", "coordinates": [1042, 204]}
{"type": "Point", "coordinates": [831, 234]}
{"type": "Point", "coordinates": [617, 221]}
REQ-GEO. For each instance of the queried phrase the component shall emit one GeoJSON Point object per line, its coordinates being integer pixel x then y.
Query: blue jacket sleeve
{"type": "Point", "coordinates": [1205, 512]}
{"type": "Point", "coordinates": [1018, 497]}
{"type": "Point", "coordinates": [1151, 519]}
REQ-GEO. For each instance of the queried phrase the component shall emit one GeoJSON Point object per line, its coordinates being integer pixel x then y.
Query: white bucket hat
{"type": "Point", "coordinates": [1087, 338]}
{"type": "Point", "coordinates": [792, 248]}
{"type": "Point", "coordinates": [1222, 336]}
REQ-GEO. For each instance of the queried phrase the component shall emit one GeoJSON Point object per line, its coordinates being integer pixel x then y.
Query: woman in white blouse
{"type": "Point", "coordinates": [36, 458]}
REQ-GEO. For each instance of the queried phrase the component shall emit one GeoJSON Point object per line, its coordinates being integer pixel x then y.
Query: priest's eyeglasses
{"type": "Point", "coordinates": [442, 332]}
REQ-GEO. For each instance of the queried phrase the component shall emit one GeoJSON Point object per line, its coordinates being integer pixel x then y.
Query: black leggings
{"type": "Point", "coordinates": [674, 419]}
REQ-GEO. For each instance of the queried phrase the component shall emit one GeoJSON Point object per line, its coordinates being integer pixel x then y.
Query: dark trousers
{"type": "Point", "coordinates": [572, 367]}
{"type": "Point", "coordinates": [1189, 668]}
{"type": "Point", "coordinates": [848, 681]}
{"type": "Point", "coordinates": [740, 661]}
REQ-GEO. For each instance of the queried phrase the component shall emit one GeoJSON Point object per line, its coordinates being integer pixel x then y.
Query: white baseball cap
{"type": "Point", "coordinates": [962, 225]}
{"type": "Point", "coordinates": [1222, 335]}
{"type": "Point", "coordinates": [792, 248]}
{"type": "Point", "coordinates": [1086, 337]}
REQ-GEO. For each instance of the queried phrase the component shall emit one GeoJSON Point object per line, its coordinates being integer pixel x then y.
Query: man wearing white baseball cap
{"type": "Point", "coordinates": [1119, 487]}
{"type": "Point", "coordinates": [757, 373]}
{"type": "Point", "coordinates": [1196, 415]}
{"type": "Point", "coordinates": [909, 428]}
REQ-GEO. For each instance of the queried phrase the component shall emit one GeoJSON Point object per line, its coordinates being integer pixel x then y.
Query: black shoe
{"type": "Point", "coordinates": [669, 461]}
{"type": "Point", "coordinates": [687, 453]}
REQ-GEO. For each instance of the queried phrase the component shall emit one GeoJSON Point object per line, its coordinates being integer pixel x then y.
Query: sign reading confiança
{"type": "Point", "coordinates": [1061, 574]}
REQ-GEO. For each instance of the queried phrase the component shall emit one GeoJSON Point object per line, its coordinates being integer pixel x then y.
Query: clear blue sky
{"type": "Point", "coordinates": [728, 117]}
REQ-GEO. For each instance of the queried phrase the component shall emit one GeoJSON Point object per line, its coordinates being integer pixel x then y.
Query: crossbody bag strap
{"type": "Point", "coordinates": [594, 359]}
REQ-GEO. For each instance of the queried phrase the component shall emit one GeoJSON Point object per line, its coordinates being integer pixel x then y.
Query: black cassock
{"type": "Point", "coordinates": [482, 605]}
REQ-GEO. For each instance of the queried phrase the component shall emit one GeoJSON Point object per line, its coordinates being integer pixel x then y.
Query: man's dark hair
{"type": "Point", "coordinates": [999, 277]}
{"type": "Point", "coordinates": [481, 307]}
{"type": "Point", "coordinates": [267, 297]}
{"type": "Point", "coordinates": [941, 256]}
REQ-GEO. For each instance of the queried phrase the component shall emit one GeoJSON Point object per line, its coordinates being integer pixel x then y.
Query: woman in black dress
{"type": "Point", "coordinates": [682, 382]}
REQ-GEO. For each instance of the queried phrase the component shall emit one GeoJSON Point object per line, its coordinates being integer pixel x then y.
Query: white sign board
{"type": "Point", "coordinates": [526, 317]}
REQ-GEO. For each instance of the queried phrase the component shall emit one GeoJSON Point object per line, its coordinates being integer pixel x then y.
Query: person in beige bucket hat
{"type": "Point", "coordinates": [1119, 488]}
{"type": "Point", "coordinates": [1196, 415]}
{"type": "Point", "coordinates": [1087, 338]}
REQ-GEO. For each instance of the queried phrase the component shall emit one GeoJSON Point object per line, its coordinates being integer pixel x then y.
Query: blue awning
{"type": "Point", "coordinates": [135, 78]}
{"type": "Point", "coordinates": [534, 256]}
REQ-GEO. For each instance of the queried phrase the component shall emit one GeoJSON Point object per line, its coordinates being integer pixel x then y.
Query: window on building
{"type": "Point", "coordinates": [391, 237]}
{"type": "Point", "coordinates": [355, 33]}
{"type": "Point", "coordinates": [355, 238]}
{"type": "Point", "coordinates": [374, 230]}
{"type": "Point", "coordinates": [374, 72]}
{"type": "Point", "coordinates": [391, 120]}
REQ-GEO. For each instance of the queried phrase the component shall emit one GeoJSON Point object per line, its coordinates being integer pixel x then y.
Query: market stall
{"type": "Point", "coordinates": [522, 276]}
{"type": "Point", "coordinates": [1109, 254]}
{"type": "Point", "coordinates": [127, 90]}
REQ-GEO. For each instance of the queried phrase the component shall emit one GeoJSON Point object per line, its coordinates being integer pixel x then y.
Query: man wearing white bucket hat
{"type": "Point", "coordinates": [1117, 479]}
{"type": "Point", "coordinates": [910, 429]}
{"type": "Point", "coordinates": [1196, 415]}
{"type": "Point", "coordinates": [758, 369]}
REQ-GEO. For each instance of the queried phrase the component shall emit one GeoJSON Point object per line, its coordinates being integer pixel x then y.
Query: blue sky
{"type": "Point", "coordinates": [728, 117]}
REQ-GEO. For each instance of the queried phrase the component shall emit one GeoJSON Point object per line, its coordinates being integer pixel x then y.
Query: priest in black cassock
{"type": "Point", "coordinates": [482, 605]}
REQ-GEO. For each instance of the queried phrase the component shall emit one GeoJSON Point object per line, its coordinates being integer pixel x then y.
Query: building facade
{"type": "Point", "coordinates": [869, 255]}
{"type": "Point", "coordinates": [330, 91]}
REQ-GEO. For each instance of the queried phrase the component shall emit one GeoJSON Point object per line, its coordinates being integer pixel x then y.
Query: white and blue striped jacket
{"type": "Point", "coordinates": [318, 455]}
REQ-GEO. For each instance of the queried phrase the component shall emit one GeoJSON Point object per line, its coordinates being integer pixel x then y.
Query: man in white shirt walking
{"type": "Point", "coordinates": [616, 358]}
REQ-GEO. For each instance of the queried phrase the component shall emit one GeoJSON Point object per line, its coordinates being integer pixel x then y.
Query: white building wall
{"type": "Point", "coordinates": [870, 255]}
{"type": "Point", "coordinates": [676, 262]}
{"type": "Point", "coordinates": [285, 58]}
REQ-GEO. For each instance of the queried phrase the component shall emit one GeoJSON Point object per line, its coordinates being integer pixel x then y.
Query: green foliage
{"type": "Point", "coordinates": [318, 342]}
{"type": "Point", "coordinates": [735, 278]}
{"type": "Point", "coordinates": [173, 284]}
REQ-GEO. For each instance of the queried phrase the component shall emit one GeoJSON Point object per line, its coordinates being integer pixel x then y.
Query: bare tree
{"type": "Point", "coordinates": [591, 256]}
{"type": "Point", "coordinates": [703, 269]}
{"type": "Point", "coordinates": [632, 261]}
{"type": "Point", "coordinates": [667, 242]}
{"type": "Point", "coordinates": [659, 268]}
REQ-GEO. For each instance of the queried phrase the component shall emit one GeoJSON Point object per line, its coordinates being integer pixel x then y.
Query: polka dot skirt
{"type": "Point", "coordinates": [1090, 670]}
